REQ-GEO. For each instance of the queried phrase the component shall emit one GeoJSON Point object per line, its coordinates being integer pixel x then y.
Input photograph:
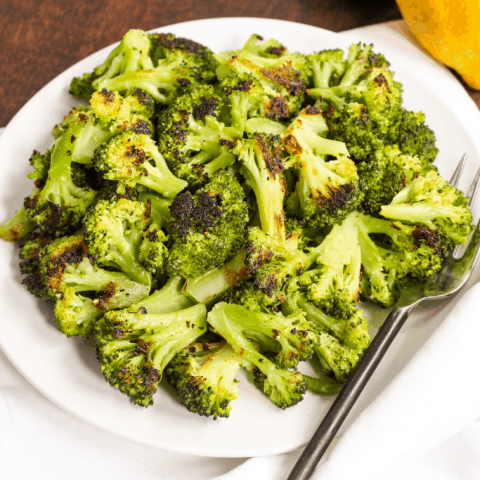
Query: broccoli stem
{"type": "Point", "coordinates": [210, 285]}
{"type": "Point", "coordinates": [16, 228]}
{"type": "Point", "coordinates": [168, 299]}
{"type": "Point", "coordinates": [322, 387]}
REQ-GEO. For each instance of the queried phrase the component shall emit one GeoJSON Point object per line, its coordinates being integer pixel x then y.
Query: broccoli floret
{"type": "Point", "coordinates": [127, 158]}
{"type": "Point", "coordinates": [195, 143]}
{"type": "Point", "coordinates": [248, 108]}
{"type": "Point", "coordinates": [114, 230]}
{"type": "Point", "coordinates": [384, 175]}
{"type": "Point", "coordinates": [132, 54]}
{"type": "Point", "coordinates": [269, 48]}
{"type": "Point", "coordinates": [285, 388]}
{"type": "Point", "coordinates": [164, 82]}
{"type": "Point", "coordinates": [204, 377]}
{"type": "Point", "coordinates": [262, 166]}
{"type": "Point", "coordinates": [431, 201]}
{"type": "Point", "coordinates": [327, 191]}
{"type": "Point", "coordinates": [211, 285]}
{"type": "Point", "coordinates": [59, 206]}
{"type": "Point", "coordinates": [326, 68]}
{"type": "Point", "coordinates": [67, 271]}
{"type": "Point", "coordinates": [199, 58]}
{"type": "Point", "coordinates": [274, 268]}
{"type": "Point", "coordinates": [392, 250]}
{"type": "Point", "coordinates": [338, 360]}
{"type": "Point", "coordinates": [140, 102]}
{"type": "Point", "coordinates": [413, 137]}
{"type": "Point", "coordinates": [210, 226]}
{"type": "Point", "coordinates": [135, 348]}
{"type": "Point", "coordinates": [153, 251]}
{"type": "Point", "coordinates": [280, 76]}
{"type": "Point", "coordinates": [333, 281]}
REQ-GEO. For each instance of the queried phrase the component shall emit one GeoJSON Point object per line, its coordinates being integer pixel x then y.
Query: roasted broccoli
{"type": "Point", "coordinates": [114, 230]}
{"type": "Point", "coordinates": [195, 143]}
{"type": "Point", "coordinates": [135, 348]}
{"type": "Point", "coordinates": [262, 165]}
{"type": "Point", "coordinates": [210, 226]}
{"type": "Point", "coordinates": [204, 377]}
{"type": "Point", "coordinates": [132, 54]}
{"type": "Point", "coordinates": [284, 387]}
{"type": "Point", "coordinates": [431, 201]}
{"type": "Point", "coordinates": [327, 190]}
{"type": "Point", "coordinates": [67, 271]}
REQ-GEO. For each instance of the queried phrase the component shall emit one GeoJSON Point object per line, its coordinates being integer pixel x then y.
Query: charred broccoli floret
{"type": "Point", "coordinates": [431, 201]}
{"type": "Point", "coordinates": [281, 76]}
{"type": "Point", "coordinates": [262, 165]}
{"type": "Point", "coordinates": [204, 377]}
{"type": "Point", "coordinates": [135, 348]}
{"type": "Point", "coordinates": [67, 271]}
{"type": "Point", "coordinates": [284, 387]}
{"type": "Point", "coordinates": [327, 190]}
{"type": "Point", "coordinates": [392, 250]}
{"type": "Point", "coordinates": [133, 158]}
{"type": "Point", "coordinates": [196, 144]}
{"type": "Point", "coordinates": [210, 226]}
{"type": "Point", "coordinates": [59, 205]}
{"type": "Point", "coordinates": [200, 59]}
{"type": "Point", "coordinates": [274, 269]}
{"type": "Point", "coordinates": [114, 230]}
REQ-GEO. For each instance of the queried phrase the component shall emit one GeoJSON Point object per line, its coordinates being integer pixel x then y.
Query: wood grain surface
{"type": "Point", "coordinates": [41, 38]}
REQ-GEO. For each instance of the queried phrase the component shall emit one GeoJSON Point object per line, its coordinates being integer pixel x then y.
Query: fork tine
{"type": "Point", "coordinates": [472, 191]}
{"type": "Point", "coordinates": [458, 171]}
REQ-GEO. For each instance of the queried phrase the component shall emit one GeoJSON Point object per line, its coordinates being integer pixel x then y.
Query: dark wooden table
{"type": "Point", "coordinates": [40, 39]}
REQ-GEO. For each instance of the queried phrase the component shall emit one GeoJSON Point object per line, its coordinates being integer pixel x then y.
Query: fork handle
{"type": "Point", "coordinates": [345, 400]}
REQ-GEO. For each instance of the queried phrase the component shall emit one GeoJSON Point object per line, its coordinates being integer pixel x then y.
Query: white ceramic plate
{"type": "Point", "coordinates": [66, 370]}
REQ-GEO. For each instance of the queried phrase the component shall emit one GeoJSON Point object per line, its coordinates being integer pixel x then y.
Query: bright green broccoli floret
{"type": "Point", "coordinates": [274, 268]}
{"type": "Point", "coordinates": [132, 54]}
{"type": "Point", "coordinates": [392, 250]}
{"type": "Point", "coordinates": [59, 205]}
{"type": "Point", "coordinates": [285, 388]}
{"type": "Point", "coordinates": [281, 76]}
{"type": "Point", "coordinates": [262, 165]}
{"type": "Point", "coordinates": [327, 191]}
{"type": "Point", "coordinates": [135, 348]}
{"type": "Point", "coordinates": [164, 83]}
{"type": "Point", "coordinates": [153, 251]}
{"type": "Point", "coordinates": [199, 59]}
{"type": "Point", "coordinates": [333, 281]}
{"type": "Point", "coordinates": [67, 271]}
{"type": "Point", "coordinates": [326, 68]}
{"type": "Point", "coordinates": [127, 158]}
{"type": "Point", "coordinates": [210, 226]}
{"type": "Point", "coordinates": [431, 201]}
{"type": "Point", "coordinates": [204, 377]}
{"type": "Point", "coordinates": [338, 360]}
{"type": "Point", "coordinates": [114, 230]}
{"type": "Point", "coordinates": [195, 143]}
{"type": "Point", "coordinates": [267, 48]}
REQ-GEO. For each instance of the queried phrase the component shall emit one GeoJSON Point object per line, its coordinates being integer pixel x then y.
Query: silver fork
{"type": "Point", "coordinates": [449, 280]}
